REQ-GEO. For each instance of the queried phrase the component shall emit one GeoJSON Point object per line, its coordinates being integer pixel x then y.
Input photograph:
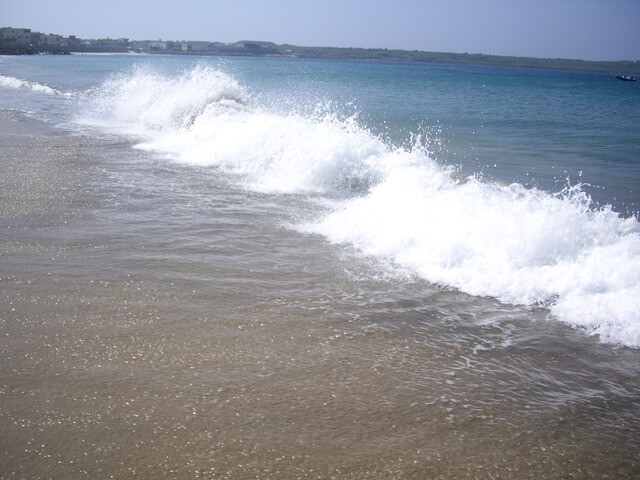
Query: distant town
{"type": "Point", "coordinates": [24, 41]}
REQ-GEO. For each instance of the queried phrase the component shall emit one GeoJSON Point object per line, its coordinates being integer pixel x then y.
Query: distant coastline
{"type": "Point", "coordinates": [14, 41]}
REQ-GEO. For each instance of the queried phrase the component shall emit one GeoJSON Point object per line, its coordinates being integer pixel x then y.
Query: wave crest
{"type": "Point", "coordinates": [17, 84]}
{"type": "Point", "coordinates": [143, 101]}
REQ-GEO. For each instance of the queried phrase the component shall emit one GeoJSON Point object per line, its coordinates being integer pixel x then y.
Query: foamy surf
{"type": "Point", "coordinates": [145, 103]}
{"type": "Point", "coordinates": [521, 246]}
{"type": "Point", "coordinates": [17, 84]}
{"type": "Point", "coordinates": [524, 247]}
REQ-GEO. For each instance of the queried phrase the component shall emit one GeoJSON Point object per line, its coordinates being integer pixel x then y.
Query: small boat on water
{"type": "Point", "coordinates": [626, 78]}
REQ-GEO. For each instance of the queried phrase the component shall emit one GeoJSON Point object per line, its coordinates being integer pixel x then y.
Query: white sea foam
{"type": "Point", "coordinates": [522, 246]}
{"type": "Point", "coordinates": [15, 83]}
{"type": "Point", "coordinates": [204, 117]}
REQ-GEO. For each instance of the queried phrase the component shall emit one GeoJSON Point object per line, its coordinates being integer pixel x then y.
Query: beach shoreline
{"type": "Point", "coordinates": [33, 182]}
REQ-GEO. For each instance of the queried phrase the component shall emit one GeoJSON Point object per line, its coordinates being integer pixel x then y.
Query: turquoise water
{"type": "Point", "coordinates": [282, 268]}
{"type": "Point", "coordinates": [537, 127]}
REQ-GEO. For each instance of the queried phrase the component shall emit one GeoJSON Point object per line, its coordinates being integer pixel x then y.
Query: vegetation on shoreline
{"type": "Point", "coordinates": [625, 66]}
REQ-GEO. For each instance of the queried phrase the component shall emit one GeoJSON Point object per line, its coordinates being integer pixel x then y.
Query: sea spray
{"type": "Point", "coordinates": [144, 102]}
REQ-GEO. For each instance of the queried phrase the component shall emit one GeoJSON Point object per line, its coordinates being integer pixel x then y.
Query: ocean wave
{"type": "Point", "coordinates": [523, 246]}
{"type": "Point", "coordinates": [16, 83]}
{"type": "Point", "coordinates": [145, 102]}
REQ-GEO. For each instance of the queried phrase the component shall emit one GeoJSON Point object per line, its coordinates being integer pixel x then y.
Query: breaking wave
{"type": "Point", "coordinates": [520, 245]}
{"type": "Point", "coordinates": [17, 84]}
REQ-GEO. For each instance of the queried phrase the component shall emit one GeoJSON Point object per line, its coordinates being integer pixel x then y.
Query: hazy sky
{"type": "Point", "coordinates": [586, 29]}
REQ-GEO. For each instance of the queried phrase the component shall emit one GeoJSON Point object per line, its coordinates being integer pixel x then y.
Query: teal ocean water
{"type": "Point", "coordinates": [285, 268]}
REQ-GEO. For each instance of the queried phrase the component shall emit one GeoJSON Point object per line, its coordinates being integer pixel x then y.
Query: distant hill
{"type": "Point", "coordinates": [263, 49]}
{"type": "Point", "coordinates": [22, 41]}
{"type": "Point", "coordinates": [624, 66]}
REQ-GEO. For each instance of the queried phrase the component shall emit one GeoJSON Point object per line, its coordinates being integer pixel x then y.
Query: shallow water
{"type": "Point", "coordinates": [164, 320]}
